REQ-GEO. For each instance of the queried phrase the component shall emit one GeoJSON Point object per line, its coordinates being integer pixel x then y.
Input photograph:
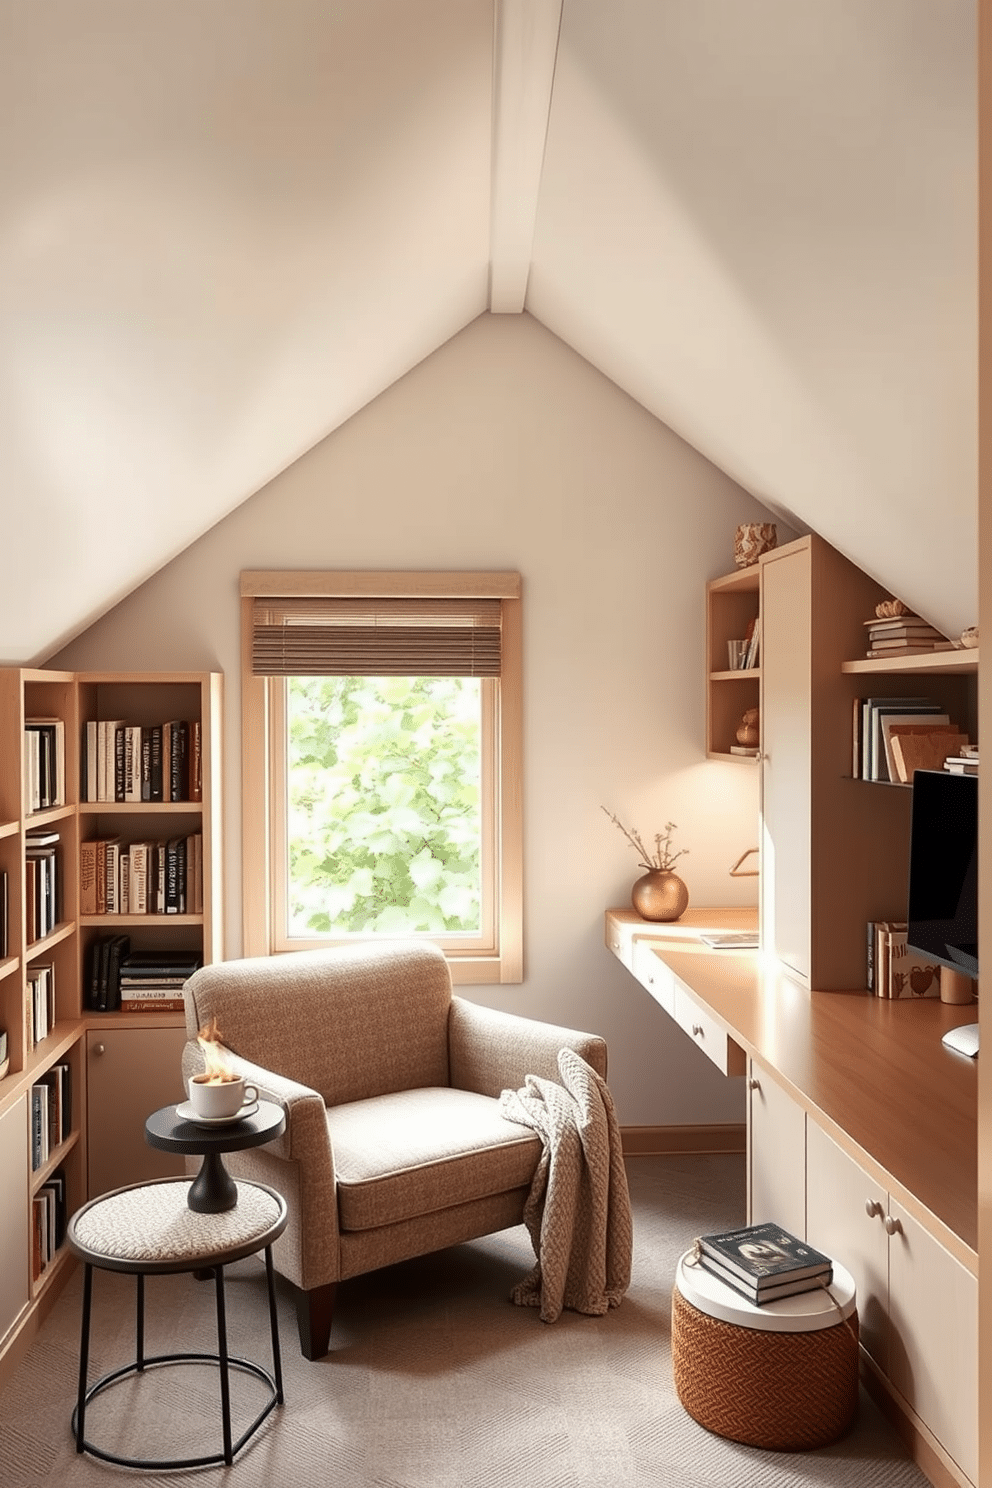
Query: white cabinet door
{"type": "Point", "coordinates": [933, 1337]}
{"type": "Point", "coordinates": [15, 1283]}
{"type": "Point", "coordinates": [839, 1195]}
{"type": "Point", "coordinates": [777, 1155]}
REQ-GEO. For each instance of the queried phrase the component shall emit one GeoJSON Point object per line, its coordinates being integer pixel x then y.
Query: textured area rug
{"type": "Point", "coordinates": [434, 1379]}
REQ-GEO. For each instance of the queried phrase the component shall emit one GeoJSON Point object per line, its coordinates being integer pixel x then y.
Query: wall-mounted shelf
{"type": "Point", "coordinates": [731, 608]}
{"type": "Point", "coordinates": [961, 662]}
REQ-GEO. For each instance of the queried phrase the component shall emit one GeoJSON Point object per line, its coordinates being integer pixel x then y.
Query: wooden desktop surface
{"type": "Point", "coordinates": [872, 1072]}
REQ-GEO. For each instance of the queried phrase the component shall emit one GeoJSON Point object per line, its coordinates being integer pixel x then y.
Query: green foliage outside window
{"type": "Point", "coordinates": [384, 820]}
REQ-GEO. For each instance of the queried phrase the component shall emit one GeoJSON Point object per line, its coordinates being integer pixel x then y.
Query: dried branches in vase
{"type": "Point", "coordinates": [660, 894]}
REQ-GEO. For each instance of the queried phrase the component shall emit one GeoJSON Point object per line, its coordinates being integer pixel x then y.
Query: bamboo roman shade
{"type": "Point", "coordinates": [317, 636]}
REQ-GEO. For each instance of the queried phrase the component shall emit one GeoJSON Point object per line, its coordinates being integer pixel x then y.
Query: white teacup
{"type": "Point", "coordinates": [211, 1097]}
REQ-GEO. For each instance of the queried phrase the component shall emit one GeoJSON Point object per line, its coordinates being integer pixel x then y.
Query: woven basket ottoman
{"type": "Point", "coordinates": [783, 1376]}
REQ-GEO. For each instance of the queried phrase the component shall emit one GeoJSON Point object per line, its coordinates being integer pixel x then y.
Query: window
{"type": "Point", "coordinates": [382, 751]}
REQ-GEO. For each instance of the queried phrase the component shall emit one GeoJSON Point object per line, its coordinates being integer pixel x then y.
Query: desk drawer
{"type": "Point", "coordinates": [707, 1034]}
{"type": "Point", "coordinates": [654, 975]}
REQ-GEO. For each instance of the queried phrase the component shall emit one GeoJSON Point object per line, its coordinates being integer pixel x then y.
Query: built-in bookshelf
{"type": "Point", "coordinates": [46, 943]}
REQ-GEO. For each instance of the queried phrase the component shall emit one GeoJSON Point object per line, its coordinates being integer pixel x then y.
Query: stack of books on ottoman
{"type": "Point", "coordinates": [764, 1262]}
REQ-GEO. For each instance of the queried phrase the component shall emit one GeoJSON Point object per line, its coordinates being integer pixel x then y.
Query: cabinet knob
{"type": "Point", "coordinates": [873, 1208]}
{"type": "Point", "coordinates": [753, 1084]}
{"type": "Point", "coordinates": [697, 1030]}
{"type": "Point", "coordinates": [99, 1048]}
{"type": "Point", "coordinates": [891, 1225]}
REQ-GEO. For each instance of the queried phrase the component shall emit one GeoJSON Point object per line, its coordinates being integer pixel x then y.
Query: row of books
{"type": "Point", "coordinates": [764, 1262]}
{"type": "Point", "coordinates": [127, 762]}
{"type": "Point", "coordinates": [903, 635]}
{"type": "Point", "coordinates": [39, 1001]}
{"type": "Point", "coordinates": [141, 877]}
{"type": "Point", "coordinates": [126, 981]}
{"type": "Point", "coordinates": [44, 763]}
{"type": "Point", "coordinates": [894, 969]}
{"type": "Point", "coordinates": [4, 916]}
{"type": "Point", "coordinates": [42, 883]}
{"type": "Point", "coordinates": [51, 1113]}
{"type": "Point", "coordinates": [49, 1218]}
{"type": "Point", "coordinates": [893, 737]}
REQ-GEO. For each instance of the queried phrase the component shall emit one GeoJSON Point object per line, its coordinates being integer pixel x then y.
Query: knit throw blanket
{"type": "Point", "coordinates": [578, 1208]}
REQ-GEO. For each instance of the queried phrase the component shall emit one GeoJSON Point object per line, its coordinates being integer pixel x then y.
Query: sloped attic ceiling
{"type": "Point", "coordinates": [225, 228]}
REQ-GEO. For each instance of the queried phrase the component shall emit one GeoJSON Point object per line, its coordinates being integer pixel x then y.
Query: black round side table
{"type": "Point", "coordinates": [213, 1190]}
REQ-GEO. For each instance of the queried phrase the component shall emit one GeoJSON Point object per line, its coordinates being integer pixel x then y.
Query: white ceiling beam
{"type": "Point", "coordinates": [524, 53]}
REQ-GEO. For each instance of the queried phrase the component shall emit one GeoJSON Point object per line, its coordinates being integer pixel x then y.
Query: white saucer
{"type": "Point", "coordinates": [185, 1112]}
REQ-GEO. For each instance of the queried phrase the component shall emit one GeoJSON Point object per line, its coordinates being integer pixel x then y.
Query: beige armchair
{"type": "Point", "coordinates": [394, 1143]}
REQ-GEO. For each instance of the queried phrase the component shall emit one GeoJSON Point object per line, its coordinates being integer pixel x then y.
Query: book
{"type": "Point", "coordinates": [911, 723]}
{"type": "Point", "coordinates": [89, 853]}
{"type": "Point", "coordinates": [909, 973]}
{"type": "Point", "coordinates": [195, 761]}
{"type": "Point", "coordinates": [760, 1294]}
{"type": "Point", "coordinates": [924, 751]}
{"type": "Point", "coordinates": [765, 1255]}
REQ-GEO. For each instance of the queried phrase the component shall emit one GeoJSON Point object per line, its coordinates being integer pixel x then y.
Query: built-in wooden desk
{"type": "Point", "coordinates": [873, 1073]}
{"type": "Point", "coordinates": [881, 1114]}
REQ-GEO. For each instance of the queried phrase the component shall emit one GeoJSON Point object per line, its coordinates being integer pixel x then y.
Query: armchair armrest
{"type": "Point", "coordinates": [490, 1051]}
{"type": "Point", "coordinates": [305, 1138]}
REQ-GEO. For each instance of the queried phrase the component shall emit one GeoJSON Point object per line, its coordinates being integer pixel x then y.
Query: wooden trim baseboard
{"type": "Point", "coordinates": [669, 1141]}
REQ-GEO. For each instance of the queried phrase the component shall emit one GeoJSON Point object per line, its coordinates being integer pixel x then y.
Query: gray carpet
{"type": "Point", "coordinates": [434, 1380]}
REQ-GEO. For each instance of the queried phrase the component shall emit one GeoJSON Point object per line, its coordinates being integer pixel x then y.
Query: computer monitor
{"type": "Point", "coordinates": [942, 914]}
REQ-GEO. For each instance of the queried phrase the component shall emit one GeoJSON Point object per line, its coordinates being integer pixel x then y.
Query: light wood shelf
{"type": "Point", "coordinates": [960, 662]}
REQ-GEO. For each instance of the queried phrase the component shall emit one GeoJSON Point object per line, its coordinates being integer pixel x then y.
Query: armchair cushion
{"type": "Point", "coordinates": [418, 1151]}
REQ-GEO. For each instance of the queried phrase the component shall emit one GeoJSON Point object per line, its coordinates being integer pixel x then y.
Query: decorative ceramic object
{"type": "Point", "coordinates": [969, 637]}
{"type": "Point", "coordinates": [888, 609]}
{"type": "Point", "coordinates": [747, 732]}
{"type": "Point", "coordinates": [751, 540]}
{"type": "Point", "coordinates": [659, 895]}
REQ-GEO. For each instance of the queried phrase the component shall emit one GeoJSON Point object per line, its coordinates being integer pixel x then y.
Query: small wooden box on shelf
{"type": "Point", "coordinates": [732, 606]}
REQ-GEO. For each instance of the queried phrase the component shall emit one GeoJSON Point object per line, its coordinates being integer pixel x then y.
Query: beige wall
{"type": "Point", "coordinates": [505, 449]}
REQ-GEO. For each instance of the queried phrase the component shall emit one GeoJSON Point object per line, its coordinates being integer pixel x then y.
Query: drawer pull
{"type": "Point", "coordinates": [99, 1048]}
{"type": "Point", "coordinates": [872, 1208]}
{"type": "Point", "coordinates": [891, 1225]}
{"type": "Point", "coordinates": [753, 1084]}
{"type": "Point", "coordinates": [697, 1030]}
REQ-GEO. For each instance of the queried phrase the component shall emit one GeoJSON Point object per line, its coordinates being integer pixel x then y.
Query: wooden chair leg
{"type": "Point", "coordinates": [313, 1314]}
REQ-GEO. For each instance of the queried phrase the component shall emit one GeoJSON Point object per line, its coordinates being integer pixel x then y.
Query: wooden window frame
{"type": "Point", "coordinates": [501, 960]}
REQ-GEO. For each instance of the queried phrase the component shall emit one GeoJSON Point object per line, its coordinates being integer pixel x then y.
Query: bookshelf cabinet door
{"type": "Point", "coordinates": [933, 1348]}
{"type": "Point", "coordinates": [777, 1155]}
{"type": "Point", "coordinates": [130, 1073]}
{"type": "Point", "coordinates": [15, 1284]}
{"type": "Point", "coordinates": [838, 1223]}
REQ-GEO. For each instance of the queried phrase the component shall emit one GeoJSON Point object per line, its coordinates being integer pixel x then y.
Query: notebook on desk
{"type": "Point", "coordinates": [731, 940]}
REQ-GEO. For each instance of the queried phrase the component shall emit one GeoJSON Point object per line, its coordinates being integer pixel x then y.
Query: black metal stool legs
{"type": "Point", "coordinates": [274, 1325]}
{"type": "Point", "coordinates": [84, 1356]}
{"type": "Point", "coordinates": [139, 1323]}
{"type": "Point", "coordinates": [225, 1385]}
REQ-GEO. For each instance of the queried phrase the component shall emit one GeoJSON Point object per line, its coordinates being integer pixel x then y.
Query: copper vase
{"type": "Point", "coordinates": [660, 895]}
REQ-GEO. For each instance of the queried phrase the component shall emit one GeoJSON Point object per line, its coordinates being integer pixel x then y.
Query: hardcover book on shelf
{"type": "Point", "coordinates": [922, 751]}
{"type": "Point", "coordinates": [902, 725]}
{"type": "Point", "coordinates": [765, 1255]}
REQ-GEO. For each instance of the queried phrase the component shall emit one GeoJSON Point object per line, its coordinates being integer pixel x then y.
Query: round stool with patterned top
{"type": "Point", "coordinates": [783, 1376]}
{"type": "Point", "coordinates": [149, 1229]}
